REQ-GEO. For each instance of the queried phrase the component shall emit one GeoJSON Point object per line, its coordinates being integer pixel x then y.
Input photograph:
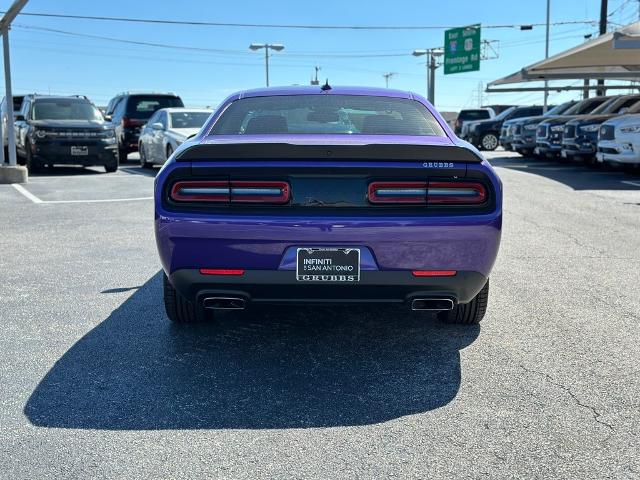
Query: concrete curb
{"type": "Point", "coordinates": [13, 174]}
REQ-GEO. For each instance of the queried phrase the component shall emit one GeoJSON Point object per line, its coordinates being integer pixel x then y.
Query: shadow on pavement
{"type": "Point", "coordinates": [572, 174]}
{"type": "Point", "coordinates": [273, 368]}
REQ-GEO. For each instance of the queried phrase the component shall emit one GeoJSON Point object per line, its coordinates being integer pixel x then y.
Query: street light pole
{"type": "Point", "coordinates": [432, 65]}
{"type": "Point", "coordinates": [267, 46]}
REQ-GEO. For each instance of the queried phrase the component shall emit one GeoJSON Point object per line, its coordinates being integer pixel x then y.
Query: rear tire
{"type": "Point", "coordinates": [489, 142]}
{"type": "Point", "coordinates": [169, 151]}
{"type": "Point", "coordinates": [468, 313]}
{"type": "Point", "coordinates": [178, 308]}
{"type": "Point", "coordinates": [143, 157]}
{"type": "Point", "coordinates": [122, 154]}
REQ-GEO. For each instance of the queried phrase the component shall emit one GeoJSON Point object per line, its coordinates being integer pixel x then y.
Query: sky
{"type": "Point", "coordinates": [46, 61]}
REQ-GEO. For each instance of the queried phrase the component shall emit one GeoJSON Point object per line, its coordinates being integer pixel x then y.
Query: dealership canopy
{"type": "Point", "coordinates": [614, 55]}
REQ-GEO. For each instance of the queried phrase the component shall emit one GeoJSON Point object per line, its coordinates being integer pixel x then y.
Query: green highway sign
{"type": "Point", "coordinates": [462, 49]}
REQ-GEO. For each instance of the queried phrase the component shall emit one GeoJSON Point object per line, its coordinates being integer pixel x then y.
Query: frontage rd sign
{"type": "Point", "coordinates": [462, 49]}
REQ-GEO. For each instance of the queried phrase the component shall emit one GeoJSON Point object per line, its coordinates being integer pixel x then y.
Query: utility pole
{"type": "Point", "coordinates": [604, 9]}
{"type": "Point", "coordinates": [546, 55]}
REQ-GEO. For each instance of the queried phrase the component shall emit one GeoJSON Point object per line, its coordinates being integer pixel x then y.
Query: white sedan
{"type": "Point", "coordinates": [166, 130]}
{"type": "Point", "coordinates": [619, 141]}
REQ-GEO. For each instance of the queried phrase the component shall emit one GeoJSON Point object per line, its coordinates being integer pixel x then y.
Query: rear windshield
{"type": "Point", "coordinates": [474, 115]}
{"type": "Point", "coordinates": [143, 106]}
{"type": "Point", "coordinates": [327, 114]}
{"type": "Point", "coordinates": [61, 109]}
{"type": "Point", "coordinates": [188, 119]}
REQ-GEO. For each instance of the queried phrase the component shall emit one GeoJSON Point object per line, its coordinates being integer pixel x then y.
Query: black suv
{"type": "Point", "coordinates": [485, 133]}
{"type": "Point", "coordinates": [128, 112]}
{"type": "Point", "coordinates": [54, 130]}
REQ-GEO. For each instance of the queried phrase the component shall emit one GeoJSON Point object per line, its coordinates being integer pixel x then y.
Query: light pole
{"type": "Point", "coordinates": [432, 64]}
{"type": "Point", "coordinates": [387, 77]}
{"type": "Point", "coordinates": [546, 55]}
{"type": "Point", "coordinates": [267, 46]}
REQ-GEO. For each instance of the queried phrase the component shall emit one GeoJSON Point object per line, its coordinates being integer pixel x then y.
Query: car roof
{"type": "Point", "coordinates": [60, 97]}
{"type": "Point", "coordinates": [316, 90]}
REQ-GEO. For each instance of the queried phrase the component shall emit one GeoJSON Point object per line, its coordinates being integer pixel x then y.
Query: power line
{"type": "Point", "coordinates": [289, 26]}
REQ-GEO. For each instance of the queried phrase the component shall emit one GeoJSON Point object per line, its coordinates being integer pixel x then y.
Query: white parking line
{"type": "Point", "coordinates": [26, 193]}
{"type": "Point", "coordinates": [629, 182]}
{"type": "Point", "coordinates": [35, 199]}
{"type": "Point", "coordinates": [106, 200]}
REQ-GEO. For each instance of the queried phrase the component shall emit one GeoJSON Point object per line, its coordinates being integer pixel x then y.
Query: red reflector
{"type": "Point", "coordinates": [221, 271]}
{"type": "Point", "coordinates": [398, 192]}
{"type": "Point", "coordinates": [434, 273]}
{"type": "Point", "coordinates": [456, 193]}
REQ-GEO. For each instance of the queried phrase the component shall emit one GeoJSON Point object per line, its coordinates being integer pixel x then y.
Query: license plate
{"type": "Point", "coordinates": [536, 151]}
{"type": "Point", "coordinates": [328, 265]}
{"type": "Point", "coordinates": [563, 154]}
{"type": "Point", "coordinates": [79, 151]}
{"type": "Point", "coordinates": [600, 157]}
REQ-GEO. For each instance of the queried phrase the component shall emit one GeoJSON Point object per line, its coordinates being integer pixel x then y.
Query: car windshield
{"type": "Point", "coordinates": [604, 106]}
{"type": "Point", "coordinates": [558, 109]}
{"type": "Point", "coordinates": [143, 106]}
{"type": "Point", "coordinates": [327, 114]}
{"type": "Point", "coordinates": [585, 106]}
{"type": "Point", "coordinates": [188, 119]}
{"type": "Point", "coordinates": [63, 109]}
{"type": "Point", "coordinates": [502, 115]}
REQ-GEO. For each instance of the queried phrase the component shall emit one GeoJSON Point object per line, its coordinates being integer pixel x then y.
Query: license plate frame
{"type": "Point", "coordinates": [79, 151]}
{"type": "Point", "coordinates": [328, 265]}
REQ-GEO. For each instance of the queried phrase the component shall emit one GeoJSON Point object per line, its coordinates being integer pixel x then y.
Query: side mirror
{"type": "Point", "coordinates": [19, 117]}
{"type": "Point", "coordinates": [157, 126]}
{"type": "Point", "coordinates": [108, 118]}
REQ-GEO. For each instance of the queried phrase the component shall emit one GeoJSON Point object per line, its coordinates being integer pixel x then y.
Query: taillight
{"type": "Point", "coordinates": [201, 191]}
{"type": "Point", "coordinates": [130, 122]}
{"type": "Point", "coordinates": [223, 191]}
{"type": "Point", "coordinates": [427, 193]}
{"type": "Point", "coordinates": [398, 192]}
{"type": "Point", "coordinates": [259, 192]}
{"type": "Point", "coordinates": [456, 193]}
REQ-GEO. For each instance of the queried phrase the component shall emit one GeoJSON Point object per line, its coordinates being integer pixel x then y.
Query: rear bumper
{"type": "Point", "coordinates": [281, 287]}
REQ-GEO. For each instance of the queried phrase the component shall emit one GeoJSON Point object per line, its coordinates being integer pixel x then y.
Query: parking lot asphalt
{"type": "Point", "coordinates": [95, 381]}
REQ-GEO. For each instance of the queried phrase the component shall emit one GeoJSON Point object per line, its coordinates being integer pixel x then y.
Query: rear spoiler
{"type": "Point", "coordinates": [283, 151]}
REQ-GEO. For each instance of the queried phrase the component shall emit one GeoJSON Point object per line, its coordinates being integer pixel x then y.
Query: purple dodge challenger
{"type": "Point", "coordinates": [327, 195]}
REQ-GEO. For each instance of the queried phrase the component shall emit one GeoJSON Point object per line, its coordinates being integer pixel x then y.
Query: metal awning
{"type": "Point", "coordinates": [614, 55]}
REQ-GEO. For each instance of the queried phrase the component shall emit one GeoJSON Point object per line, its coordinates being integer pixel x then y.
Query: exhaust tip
{"type": "Point", "coordinates": [432, 304]}
{"type": "Point", "coordinates": [224, 303]}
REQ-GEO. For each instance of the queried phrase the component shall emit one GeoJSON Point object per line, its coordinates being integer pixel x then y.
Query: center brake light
{"type": "Point", "coordinates": [227, 192]}
{"type": "Point", "coordinates": [427, 193]}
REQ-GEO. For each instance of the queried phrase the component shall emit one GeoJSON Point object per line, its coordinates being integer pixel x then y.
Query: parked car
{"type": "Point", "coordinates": [166, 130]}
{"type": "Point", "coordinates": [470, 115]}
{"type": "Point", "coordinates": [508, 131]}
{"type": "Point", "coordinates": [247, 212]}
{"type": "Point", "coordinates": [580, 135]}
{"type": "Point", "coordinates": [53, 130]}
{"type": "Point", "coordinates": [549, 132]}
{"type": "Point", "coordinates": [524, 129]}
{"type": "Point", "coordinates": [128, 111]}
{"type": "Point", "coordinates": [485, 134]}
{"type": "Point", "coordinates": [619, 141]}
{"type": "Point", "coordinates": [17, 103]}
